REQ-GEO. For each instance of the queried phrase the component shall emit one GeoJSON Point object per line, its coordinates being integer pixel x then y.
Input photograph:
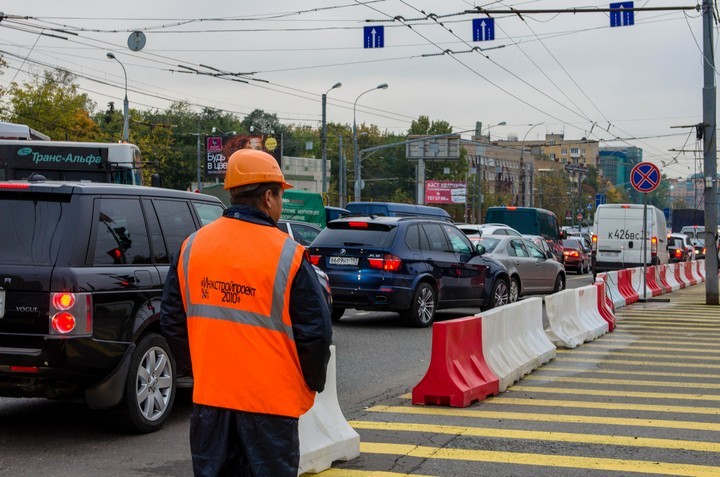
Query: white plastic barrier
{"type": "Point", "coordinates": [564, 328]}
{"type": "Point", "coordinates": [589, 314]}
{"type": "Point", "coordinates": [699, 270]}
{"type": "Point", "coordinates": [612, 288]}
{"type": "Point", "coordinates": [503, 357]}
{"type": "Point", "coordinates": [637, 283]}
{"type": "Point", "coordinates": [325, 435]}
{"type": "Point", "coordinates": [670, 276]}
{"type": "Point", "coordinates": [542, 348]}
{"type": "Point", "coordinates": [680, 270]}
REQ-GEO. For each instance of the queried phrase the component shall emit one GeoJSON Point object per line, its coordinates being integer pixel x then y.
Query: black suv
{"type": "Point", "coordinates": [82, 267]}
{"type": "Point", "coordinates": [411, 265]}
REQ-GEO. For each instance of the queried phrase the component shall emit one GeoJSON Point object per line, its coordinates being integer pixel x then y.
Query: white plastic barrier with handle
{"type": "Point", "coordinates": [325, 435]}
{"type": "Point", "coordinates": [589, 314]}
{"type": "Point", "coordinates": [564, 327]}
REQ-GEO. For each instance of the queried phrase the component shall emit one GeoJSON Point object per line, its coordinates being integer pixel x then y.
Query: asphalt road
{"type": "Point", "coordinates": [378, 360]}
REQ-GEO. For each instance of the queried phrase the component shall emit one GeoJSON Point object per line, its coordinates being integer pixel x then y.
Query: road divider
{"type": "Point", "coordinates": [325, 435]}
{"type": "Point", "coordinates": [458, 373]}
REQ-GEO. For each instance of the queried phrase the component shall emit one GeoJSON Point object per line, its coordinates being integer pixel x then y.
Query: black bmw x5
{"type": "Point", "coordinates": [82, 267]}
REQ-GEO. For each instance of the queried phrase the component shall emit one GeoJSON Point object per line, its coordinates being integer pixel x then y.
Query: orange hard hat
{"type": "Point", "coordinates": [250, 166]}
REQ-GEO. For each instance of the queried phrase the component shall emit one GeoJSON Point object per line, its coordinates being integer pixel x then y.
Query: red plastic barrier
{"type": "Point", "coordinates": [662, 273]}
{"type": "Point", "coordinates": [651, 281]}
{"type": "Point", "coordinates": [605, 311]}
{"type": "Point", "coordinates": [626, 287]}
{"type": "Point", "coordinates": [458, 374]}
{"type": "Point", "coordinates": [679, 275]}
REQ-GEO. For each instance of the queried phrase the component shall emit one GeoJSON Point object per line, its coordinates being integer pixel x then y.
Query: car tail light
{"type": "Point", "coordinates": [594, 243]}
{"type": "Point", "coordinates": [678, 253]}
{"type": "Point", "coordinates": [571, 253]}
{"type": "Point", "coordinates": [511, 208]}
{"type": "Point", "coordinates": [315, 259]}
{"type": "Point", "coordinates": [387, 262]}
{"type": "Point", "coordinates": [70, 314]}
{"type": "Point", "coordinates": [14, 186]}
{"type": "Point", "coordinates": [653, 245]}
{"type": "Point", "coordinates": [358, 225]}
{"type": "Point", "coordinates": [703, 251]}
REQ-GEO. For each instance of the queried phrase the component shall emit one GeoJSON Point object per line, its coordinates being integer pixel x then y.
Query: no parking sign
{"type": "Point", "coordinates": [645, 177]}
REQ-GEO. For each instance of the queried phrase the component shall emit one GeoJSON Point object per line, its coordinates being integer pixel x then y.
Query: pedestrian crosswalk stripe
{"type": "Point", "coordinates": [617, 393]}
{"type": "Point", "coordinates": [670, 335]}
{"type": "Point", "coordinates": [608, 340]}
{"type": "Point", "coordinates": [630, 325]}
{"type": "Point", "coordinates": [543, 460]}
{"type": "Point", "coordinates": [621, 382]}
{"type": "Point", "coordinates": [540, 417]}
{"type": "Point", "coordinates": [494, 432]}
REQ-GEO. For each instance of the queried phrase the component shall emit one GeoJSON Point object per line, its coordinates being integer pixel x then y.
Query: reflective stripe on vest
{"type": "Point", "coordinates": [275, 323]}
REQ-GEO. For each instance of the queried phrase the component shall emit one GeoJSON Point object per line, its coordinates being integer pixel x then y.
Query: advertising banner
{"type": "Point", "coordinates": [445, 192]}
{"type": "Point", "coordinates": [219, 148]}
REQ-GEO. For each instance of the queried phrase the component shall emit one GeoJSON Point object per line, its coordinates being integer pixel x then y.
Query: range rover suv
{"type": "Point", "coordinates": [82, 267]}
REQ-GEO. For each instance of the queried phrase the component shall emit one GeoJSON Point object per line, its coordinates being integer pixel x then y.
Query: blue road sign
{"type": "Point", "coordinates": [645, 177]}
{"type": "Point", "coordinates": [600, 199]}
{"type": "Point", "coordinates": [624, 15]}
{"type": "Point", "coordinates": [373, 37]}
{"type": "Point", "coordinates": [483, 29]}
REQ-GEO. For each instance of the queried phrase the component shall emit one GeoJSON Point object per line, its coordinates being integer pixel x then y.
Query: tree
{"type": "Point", "coordinates": [554, 192]}
{"type": "Point", "coordinates": [52, 104]}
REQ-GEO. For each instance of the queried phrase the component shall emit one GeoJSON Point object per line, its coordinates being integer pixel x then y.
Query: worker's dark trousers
{"type": "Point", "coordinates": [235, 443]}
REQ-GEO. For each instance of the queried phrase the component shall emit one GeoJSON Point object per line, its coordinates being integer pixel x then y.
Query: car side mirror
{"type": "Point", "coordinates": [480, 249]}
{"type": "Point", "coordinates": [549, 254]}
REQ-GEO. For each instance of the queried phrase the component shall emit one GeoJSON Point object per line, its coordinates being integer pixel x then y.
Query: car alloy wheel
{"type": "Point", "coordinates": [422, 310]}
{"type": "Point", "coordinates": [500, 293]}
{"type": "Point", "coordinates": [514, 291]}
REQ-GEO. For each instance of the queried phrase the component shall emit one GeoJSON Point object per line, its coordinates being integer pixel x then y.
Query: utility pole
{"type": "Point", "coordinates": [710, 157]}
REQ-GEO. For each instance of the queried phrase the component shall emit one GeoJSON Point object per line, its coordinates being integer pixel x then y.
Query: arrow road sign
{"type": "Point", "coordinates": [645, 177]}
{"type": "Point", "coordinates": [374, 37]}
{"type": "Point", "coordinates": [483, 29]}
{"type": "Point", "coordinates": [624, 15]}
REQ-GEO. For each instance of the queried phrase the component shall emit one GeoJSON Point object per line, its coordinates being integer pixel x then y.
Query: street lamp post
{"type": "Point", "coordinates": [522, 164]}
{"type": "Point", "coordinates": [356, 159]}
{"type": "Point", "coordinates": [126, 117]}
{"type": "Point", "coordinates": [323, 139]}
{"type": "Point", "coordinates": [501, 123]}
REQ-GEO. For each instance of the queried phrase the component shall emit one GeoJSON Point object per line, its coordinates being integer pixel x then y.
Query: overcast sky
{"type": "Point", "coordinates": [571, 72]}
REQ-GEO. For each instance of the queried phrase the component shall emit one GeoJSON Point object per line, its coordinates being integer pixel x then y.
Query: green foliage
{"type": "Point", "coordinates": [52, 104]}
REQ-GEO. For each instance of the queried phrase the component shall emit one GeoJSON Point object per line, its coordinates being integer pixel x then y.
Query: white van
{"type": "Point", "coordinates": [617, 238]}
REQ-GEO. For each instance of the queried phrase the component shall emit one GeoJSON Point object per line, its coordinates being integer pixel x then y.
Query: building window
{"type": "Point", "coordinates": [574, 150]}
{"type": "Point", "coordinates": [564, 151]}
{"type": "Point", "coordinates": [552, 157]}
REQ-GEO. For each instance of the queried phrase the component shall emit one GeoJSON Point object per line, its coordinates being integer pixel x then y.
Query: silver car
{"type": "Point", "coordinates": [531, 270]}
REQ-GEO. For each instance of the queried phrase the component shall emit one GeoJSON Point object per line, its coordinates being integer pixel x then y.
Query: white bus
{"type": "Point", "coordinates": [118, 163]}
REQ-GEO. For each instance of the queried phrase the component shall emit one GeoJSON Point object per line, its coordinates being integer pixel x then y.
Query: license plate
{"type": "Point", "coordinates": [344, 261]}
{"type": "Point", "coordinates": [612, 253]}
{"type": "Point", "coordinates": [2, 303]}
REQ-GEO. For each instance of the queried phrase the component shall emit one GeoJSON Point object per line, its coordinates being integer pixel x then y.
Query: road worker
{"type": "Point", "coordinates": [245, 315]}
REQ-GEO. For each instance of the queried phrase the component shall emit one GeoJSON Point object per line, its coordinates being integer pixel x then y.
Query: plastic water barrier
{"type": "Point", "coordinates": [325, 435]}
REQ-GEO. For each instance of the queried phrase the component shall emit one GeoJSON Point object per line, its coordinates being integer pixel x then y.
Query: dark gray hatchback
{"type": "Point", "coordinates": [82, 267]}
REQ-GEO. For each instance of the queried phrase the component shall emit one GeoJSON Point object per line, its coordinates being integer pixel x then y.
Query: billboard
{"type": "Point", "coordinates": [219, 148]}
{"type": "Point", "coordinates": [445, 192]}
{"type": "Point", "coordinates": [433, 148]}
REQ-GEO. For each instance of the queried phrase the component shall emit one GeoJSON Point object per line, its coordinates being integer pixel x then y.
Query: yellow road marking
{"type": "Point", "coordinates": [622, 382]}
{"type": "Point", "coordinates": [653, 364]}
{"type": "Point", "coordinates": [616, 393]}
{"type": "Point", "coordinates": [630, 353]}
{"type": "Point", "coordinates": [362, 473]}
{"type": "Point", "coordinates": [624, 372]}
{"type": "Point", "coordinates": [639, 326]}
{"type": "Point", "coordinates": [509, 401]}
{"type": "Point", "coordinates": [603, 344]}
{"type": "Point", "coordinates": [540, 435]}
{"type": "Point", "coordinates": [694, 343]}
{"type": "Point", "coordinates": [640, 335]}
{"type": "Point", "coordinates": [539, 417]}
{"type": "Point", "coordinates": [553, 460]}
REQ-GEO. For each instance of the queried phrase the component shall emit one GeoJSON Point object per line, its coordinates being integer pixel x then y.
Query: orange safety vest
{"type": "Point", "coordinates": [235, 279]}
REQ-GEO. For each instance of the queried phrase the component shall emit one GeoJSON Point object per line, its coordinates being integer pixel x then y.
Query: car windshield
{"type": "Point", "coordinates": [29, 234]}
{"type": "Point", "coordinates": [676, 242]}
{"type": "Point", "coordinates": [489, 243]}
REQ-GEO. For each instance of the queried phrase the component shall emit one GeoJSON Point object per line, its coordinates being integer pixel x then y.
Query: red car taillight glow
{"type": "Point", "coordinates": [315, 259]}
{"type": "Point", "coordinates": [70, 314]}
{"type": "Point", "coordinates": [387, 262]}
